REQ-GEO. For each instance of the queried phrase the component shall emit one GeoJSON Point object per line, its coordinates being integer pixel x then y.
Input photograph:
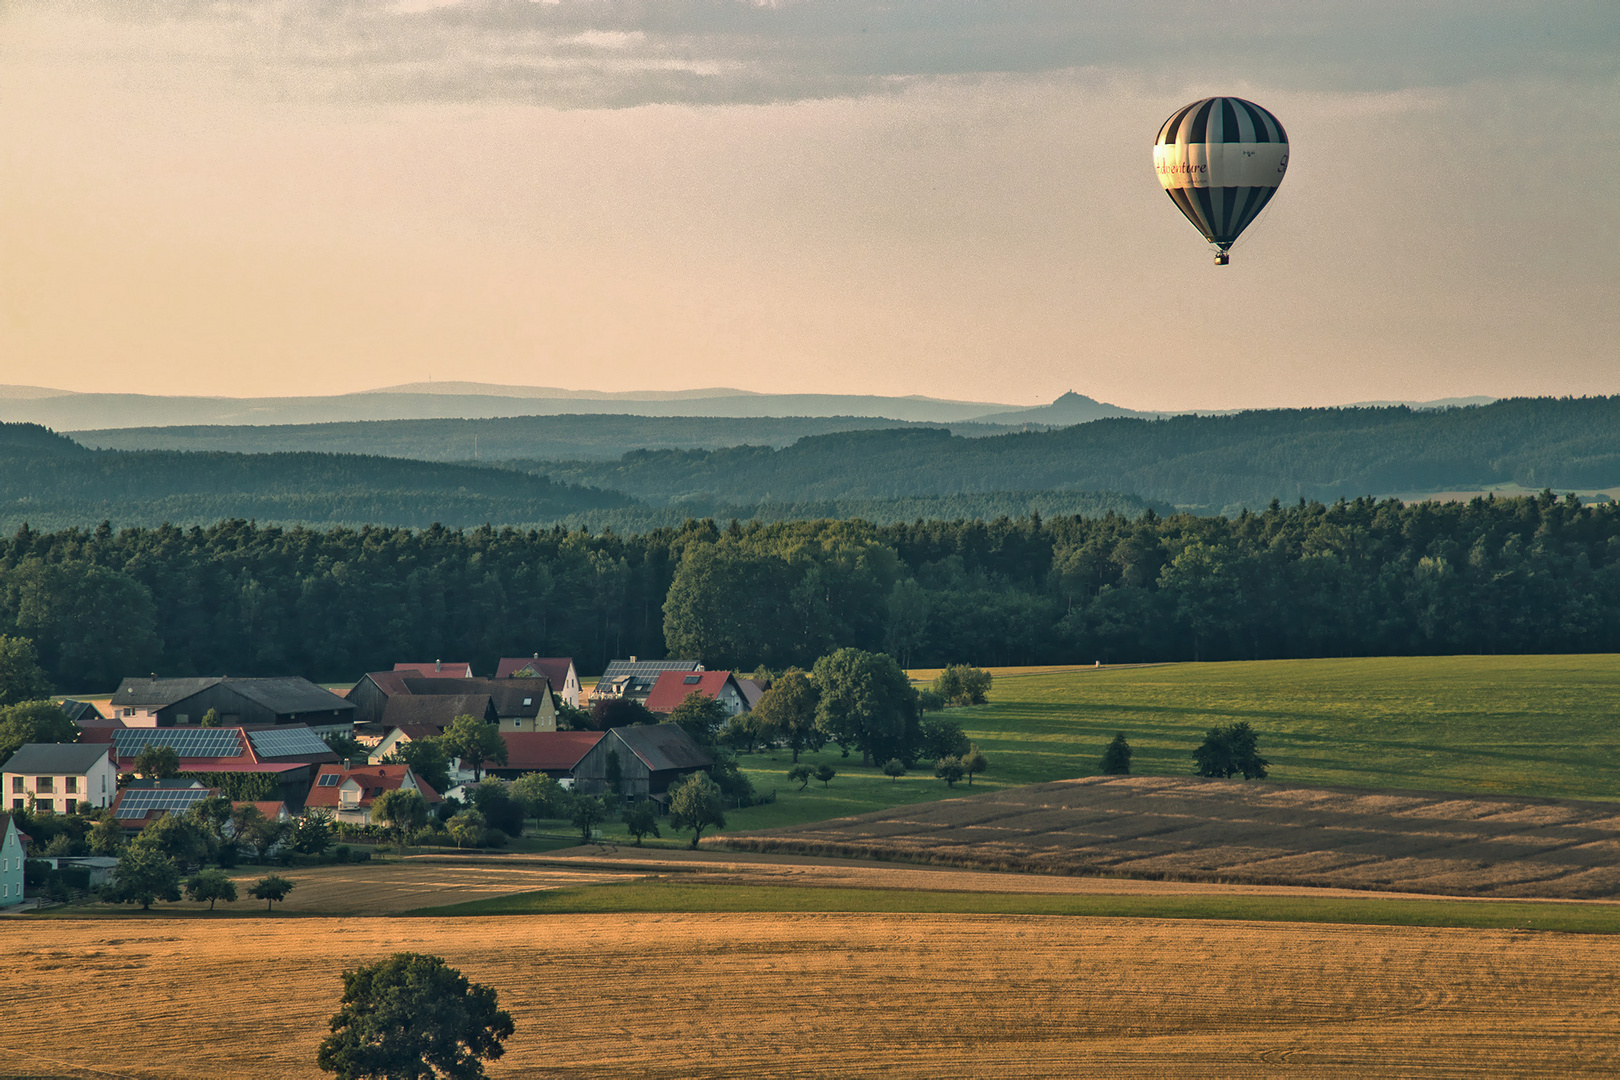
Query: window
{"type": "Point", "coordinates": [693, 679]}
{"type": "Point", "coordinates": [68, 805]}
{"type": "Point", "coordinates": [16, 783]}
{"type": "Point", "coordinates": [70, 784]}
{"type": "Point", "coordinates": [45, 784]}
{"type": "Point", "coordinates": [329, 780]}
{"type": "Point", "coordinates": [16, 804]}
{"type": "Point", "coordinates": [182, 718]}
{"type": "Point", "coordinates": [528, 701]}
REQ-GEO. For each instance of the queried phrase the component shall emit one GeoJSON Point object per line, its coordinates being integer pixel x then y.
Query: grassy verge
{"type": "Point", "coordinates": [667, 896]}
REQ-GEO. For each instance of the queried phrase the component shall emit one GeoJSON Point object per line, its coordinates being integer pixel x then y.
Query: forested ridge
{"type": "Point", "coordinates": [1208, 463]}
{"type": "Point", "coordinates": [1351, 578]}
{"type": "Point", "coordinates": [49, 481]}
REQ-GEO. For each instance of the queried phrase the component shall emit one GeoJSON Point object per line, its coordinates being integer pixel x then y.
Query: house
{"type": "Point", "coordinates": [404, 733]}
{"type": "Point", "coordinates": [634, 678]}
{"type": "Point", "coordinates": [142, 802]}
{"type": "Point", "coordinates": [97, 869]}
{"type": "Point", "coordinates": [520, 703]}
{"type": "Point", "coordinates": [81, 712]}
{"type": "Point", "coordinates": [437, 670]}
{"type": "Point", "coordinates": [290, 754]}
{"type": "Point", "coordinates": [752, 691]}
{"type": "Point", "coordinates": [673, 687]}
{"type": "Point", "coordinates": [349, 792]}
{"type": "Point", "coordinates": [273, 810]}
{"type": "Point", "coordinates": [155, 702]}
{"type": "Point", "coordinates": [435, 710]}
{"type": "Point", "coordinates": [12, 858]}
{"type": "Point", "coordinates": [555, 753]}
{"type": "Point", "coordinates": [59, 776]}
{"type": "Point", "coordinates": [559, 670]}
{"type": "Point", "coordinates": [652, 758]}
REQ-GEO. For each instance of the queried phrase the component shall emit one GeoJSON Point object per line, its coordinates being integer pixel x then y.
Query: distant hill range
{"type": "Point", "coordinates": [1207, 463]}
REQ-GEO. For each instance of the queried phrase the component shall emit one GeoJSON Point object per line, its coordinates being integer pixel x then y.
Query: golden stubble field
{"type": "Point", "coordinates": [834, 996]}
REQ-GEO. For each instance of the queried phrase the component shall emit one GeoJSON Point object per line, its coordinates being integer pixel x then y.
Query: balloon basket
{"type": "Point", "coordinates": [1222, 258]}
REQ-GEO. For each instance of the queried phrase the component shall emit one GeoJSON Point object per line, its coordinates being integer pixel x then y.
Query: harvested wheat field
{"type": "Point", "coordinates": [836, 995]}
{"type": "Point", "coordinates": [1238, 831]}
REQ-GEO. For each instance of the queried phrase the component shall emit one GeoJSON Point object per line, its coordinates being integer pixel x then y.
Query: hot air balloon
{"type": "Point", "coordinates": [1220, 160]}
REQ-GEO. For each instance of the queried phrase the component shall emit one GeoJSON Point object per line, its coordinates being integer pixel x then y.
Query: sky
{"type": "Point", "coordinates": [944, 197]}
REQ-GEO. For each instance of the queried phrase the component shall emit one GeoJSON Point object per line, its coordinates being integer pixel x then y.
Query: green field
{"type": "Point", "coordinates": [1516, 725]}
{"type": "Point", "coordinates": [661, 896]}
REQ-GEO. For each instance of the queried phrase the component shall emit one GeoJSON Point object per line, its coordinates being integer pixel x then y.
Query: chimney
{"type": "Point", "coordinates": [348, 763]}
{"type": "Point", "coordinates": [537, 656]}
{"type": "Point", "coordinates": [632, 658]}
{"type": "Point", "coordinates": [438, 665]}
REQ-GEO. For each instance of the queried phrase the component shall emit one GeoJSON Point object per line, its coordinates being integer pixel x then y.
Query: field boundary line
{"type": "Point", "coordinates": [69, 1064]}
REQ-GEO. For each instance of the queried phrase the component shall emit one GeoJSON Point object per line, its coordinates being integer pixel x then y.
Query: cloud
{"type": "Point", "coordinates": [616, 53]}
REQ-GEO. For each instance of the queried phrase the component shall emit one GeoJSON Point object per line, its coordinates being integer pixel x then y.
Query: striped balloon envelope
{"type": "Point", "coordinates": [1220, 160]}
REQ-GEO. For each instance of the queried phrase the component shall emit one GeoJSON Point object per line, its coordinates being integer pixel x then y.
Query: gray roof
{"type": "Point", "coordinates": [80, 710]}
{"type": "Point", "coordinates": [664, 746]}
{"type": "Point", "coordinates": [435, 710]}
{"type": "Point", "coordinates": [507, 694]}
{"type": "Point", "coordinates": [56, 758]}
{"type": "Point", "coordinates": [647, 669]}
{"type": "Point", "coordinates": [150, 693]}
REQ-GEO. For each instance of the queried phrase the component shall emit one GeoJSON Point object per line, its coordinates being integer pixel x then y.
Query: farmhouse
{"type": "Point", "coordinates": [155, 702]}
{"type": "Point", "coordinates": [673, 687]}
{"type": "Point", "coordinates": [142, 802]}
{"type": "Point", "coordinates": [370, 695]}
{"type": "Point", "coordinates": [519, 704]}
{"type": "Point", "coordinates": [558, 670]}
{"type": "Point", "coordinates": [555, 753]}
{"type": "Point", "coordinates": [12, 858]}
{"type": "Point", "coordinates": [59, 777]}
{"type": "Point", "coordinates": [651, 758]}
{"type": "Point", "coordinates": [436, 710]}
{"type": "Point", "coordinates": [634, 678]}
{"type": "Point", "coordinates": [349, 792]}
{"type": "Point", "coordinates": [259, 763]}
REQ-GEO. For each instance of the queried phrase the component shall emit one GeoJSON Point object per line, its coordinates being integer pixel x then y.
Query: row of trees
{"type": "Point", "coordinates": [1353, 578]}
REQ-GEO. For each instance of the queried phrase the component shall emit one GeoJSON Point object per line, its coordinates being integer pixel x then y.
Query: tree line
{"type": "Point", "coordinates": [1362, 577]}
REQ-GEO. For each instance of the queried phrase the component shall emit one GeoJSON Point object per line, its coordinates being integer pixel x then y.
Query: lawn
{"type": "Point", "coordinates": [688, 897]}
{"type": "Point", "coordinates": [1523, 725]}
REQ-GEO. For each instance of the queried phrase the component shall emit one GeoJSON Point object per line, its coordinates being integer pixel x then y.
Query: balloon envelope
{"type": "Point", "coordinates": [1220, 160]}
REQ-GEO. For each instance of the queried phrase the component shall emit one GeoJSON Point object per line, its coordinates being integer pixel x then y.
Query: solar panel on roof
{"type": "Point", "coordinates": [690, 679]}
{"type": "Point", "coordinates": [330, 780]}
{"type": "Point", "coordinates": [273, 743]}
{"type": "Point", "coordinates": [187, 742]}
{"type": "Point", "coordinates": [139, 802]}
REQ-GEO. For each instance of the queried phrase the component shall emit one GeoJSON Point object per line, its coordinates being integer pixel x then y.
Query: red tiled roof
{"type": "Point", "coordinates": [437, 669]}
{"type": "Point", "coordinates": [540, 751]}
{"type": "Point", "coordinates": [673, 687]}
{"type": "Point", "coordinates": [554, 668]}
{"type": "Point", "coordinates": [271, 810]}
{"type": "Point", "coordinates": [373, 779]}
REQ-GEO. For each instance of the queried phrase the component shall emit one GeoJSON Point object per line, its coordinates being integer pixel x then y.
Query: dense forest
{"type": "Point", "coordinates": [1217, 464]}
{"type": "Point", "coordinates": [49, 481]}
{"type": "Point", "coordinates": [1358, 577]}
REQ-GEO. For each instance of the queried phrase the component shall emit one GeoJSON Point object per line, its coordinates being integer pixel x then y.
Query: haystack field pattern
{"type": "Point", "coordinates": [1233, 830]}
{"type": "Point", "coordinates": [836, 995]}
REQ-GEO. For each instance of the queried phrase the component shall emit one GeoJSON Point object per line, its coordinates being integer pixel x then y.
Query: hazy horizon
{"type": "Point", "coordinates": [941, 199]}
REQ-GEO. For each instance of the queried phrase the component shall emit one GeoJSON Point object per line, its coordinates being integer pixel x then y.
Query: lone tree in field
{"type": "Point", "coordinates": [270, 889]}
{"type": "Point", "coordinates": [1116, 760]}
{"type": "Point", "coordinates": [788, 712]}
{"type": "Point", "coordinates": [801, 773]}
{"type": "Point", "coordinates": [894, 768]}
{"type": "Point", "coordinates": [974, 762]}
{"type": "Point", "coordinates": [1229, 750]}
{"type": "Point", "coordinates": [825, 773]}
{"type": "Point", "coordinates": [641, 819]}
{"type": "Point", "coordinates": [210, 885]}
{"type": "Point", "coordinates": [697, 804]}
{"type": "Point", "coordinates": [866, 701]}
{"type": "Point", "coordinates": [961, 684]}
{"type": "Point", "coordinates": [949, 770]}
{"type": "Point", "coordinates": [413, 1017]}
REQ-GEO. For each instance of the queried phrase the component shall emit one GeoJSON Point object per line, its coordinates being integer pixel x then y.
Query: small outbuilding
{"type": "Point", "coordinates": [652, 758]}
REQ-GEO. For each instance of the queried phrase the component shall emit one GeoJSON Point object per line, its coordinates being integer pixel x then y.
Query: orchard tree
{"type": "Point", "coordinates": [802, 774]}
{"type": "Point", "coordinates": [466, 827]}
{"type": "Point", "coordinates": [143, 874]}
{"type": "Point", "coordinates": [211, 885]}
{"type": "Point", "coordinates": [1116, 759]}
{"type": "Point", "coordinates": [641, 819]}
{"type": "Point", "coordinates": [939, 738]}
{"type": "Point", "coordinates": [697, 804]}
{"type": "Point", "coordinates": [270, 889]}
{"type": "Point", "coordinates": [866, 701]}
{"type": "Point", "coordinates": [973, 762]}
{"type": "Point", "coordinates": [894, 768]}
{"type": "Point", "coordinates": [960, 684]}
{"type": "Point", "coordinates": [949, 770]}
{"type": "Point", "coordinates": [825, 773]}
{"type": "Point", "coordinates": [540, 795]}
{"type": "Point", "coordinates": [1229, 750]}
{"type": "Point", "coordinates": [413, 1017]}
{"type": "Point", "coordinates": [474, 741]}
{"type": "Point", "coordinates": [588, 811]}
{"type": "Point", "coordinates": [787, 711]}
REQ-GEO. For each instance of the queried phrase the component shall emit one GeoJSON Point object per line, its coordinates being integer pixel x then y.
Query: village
{"type": "Point", "coordinates": [416, 753]}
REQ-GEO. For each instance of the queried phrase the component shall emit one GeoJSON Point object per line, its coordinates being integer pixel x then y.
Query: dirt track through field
{"type": "Point", "coordinates": [1236, 831]}
{"type": "Point", "coordinates": [837, 995]}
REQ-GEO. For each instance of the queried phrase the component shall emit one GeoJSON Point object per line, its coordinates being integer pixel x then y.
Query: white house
{"type": "Point", "coordinates": [59, 777]}
{"type": "Point", "coordinates": [11, 862]}
{"type": "Point", "coordinates": [349, 792]}
{"type": "Point", "coordinates": [559, 670]}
